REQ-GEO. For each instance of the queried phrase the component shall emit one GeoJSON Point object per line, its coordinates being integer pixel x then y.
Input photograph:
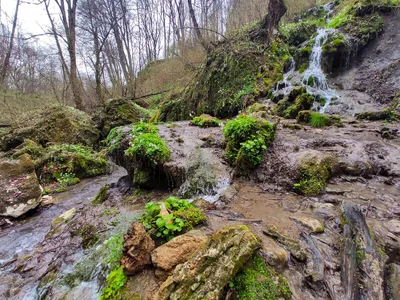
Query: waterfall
{"type": "Point", "coordinates": [320, 85]}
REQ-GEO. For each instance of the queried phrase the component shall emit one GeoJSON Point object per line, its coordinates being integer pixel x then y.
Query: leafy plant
{"type": "Point", "coordinates": [183, 216]}
{"type": "Point", "coordinates": [113, 140]}
{"type": "Point", "coordinates": [66, 178]}
{"type": "Point", "coordinates": [247, 139]}
{"type": "Point", "coordinates": [114, 246]}
{"type": "Point", "coordinates": [115, 282]}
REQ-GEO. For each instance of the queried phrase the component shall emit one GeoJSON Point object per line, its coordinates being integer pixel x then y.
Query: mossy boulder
{"type": "Point", "coordinates": [316, 169]}
{"type": "Point", "coordinates": [58, 124]}
{"type": "Point", "coordinates": [297, 100]}
{"type": "Point", "coordinates": [19, 187]}
{"type": "Point", "coordinates": [119, 112]}
{"type": "Point", "coordinates": [205, 121]}
{"type": "Point", "coordinates": [336, 53]}
{"type": "Point", "coordinates": [209, 270]}
{"type": "Point", "coordinates": [69, 163]}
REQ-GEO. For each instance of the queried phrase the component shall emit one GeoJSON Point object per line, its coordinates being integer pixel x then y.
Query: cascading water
{"type": "Point", "coordinates": [314, 78]}
{"type": "Point", "coordinates": [284, 85]}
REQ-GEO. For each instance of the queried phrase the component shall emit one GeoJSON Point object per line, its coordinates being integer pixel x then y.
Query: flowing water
{"type": "Point", "coordinates": [315, 74]}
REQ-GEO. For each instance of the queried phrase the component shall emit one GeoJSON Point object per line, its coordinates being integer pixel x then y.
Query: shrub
{"type": "Point", "coordinates": [319, 120]}
{"type": "Point", "coordinates": [205, 121]}
{"type": "Point", "coordinates": [182, 217]}
{"type": "Point", "coordinates": [247, 139]}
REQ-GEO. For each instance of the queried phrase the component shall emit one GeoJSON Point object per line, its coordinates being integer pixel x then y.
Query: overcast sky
{"type": "Point", "coordinates": [32, 18]}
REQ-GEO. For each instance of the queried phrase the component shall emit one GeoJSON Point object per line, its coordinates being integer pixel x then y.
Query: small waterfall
{"type": "Point", "coordinates": [285, 85]}
{"type": "Point", "coordinates": [314, 73]}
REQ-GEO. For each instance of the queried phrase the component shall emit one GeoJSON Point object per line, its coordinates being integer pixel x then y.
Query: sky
{"type": "Point", "coordinates": [31, 17]}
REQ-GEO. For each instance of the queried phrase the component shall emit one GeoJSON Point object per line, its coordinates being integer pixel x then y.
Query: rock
{"type": "Point", "coordinates": [58, 124]}
{"type": "Point", "coordinates": [208, 271]}
{"type": "Point", "coordinates": [137, 249]}
{"type": "Point", "coordinates": [65, 217]}
{"type": "Point", "coordinates": [316, 226]}
{"type": "Point", "coordinates": [393, 226]}
{"type": "Point", "coordinates": [178, 250]}
{"type": "Point", "coordinates": [141, 286]}
{"type": "Point", "coordinates": [325, 210]}
{"type": "Point", "coordinates": [274, 254]}
{"type": "Point", "coordinates": [119, 112]}
{"type": "Point", "coordinates": [19, 187]}
{"type": "Point", "coordinates": [393, 281]}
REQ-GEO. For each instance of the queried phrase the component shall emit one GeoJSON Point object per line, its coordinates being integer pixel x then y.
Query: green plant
{"type": "Point", "coordinates": [114, 246]}
{"type": "Point", "coordinates": [111, 211]}
{"type": "Point", "coordinates": [114, 283]}
{"type": "Point", "coordinates": [179, 216]}
{"type": "Point", "coordinates": [142, 127]}
{"type": "Point", "coordinates": [66, 178]}
{"type": "Point", "coordinates": [318, 120]}
{"type": "Point", "coordinates": [205, 121]}
{"type": "Point", "coordinates": [113, 140]}
{"type": "Point", "coordinates": [247, 139]}
{"type": "Point", "coordinates": [149, 147]}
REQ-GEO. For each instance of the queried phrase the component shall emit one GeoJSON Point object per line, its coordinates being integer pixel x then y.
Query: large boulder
{"type": "Point", "coordinates": [178, 250]}
{"type": "Point", "coordinates": [209, 270]}
{"type": "Point", "coordinates": [19, 187]}
{"type": "Point", "coordinates": [119, 112]}
{"type": "Point", "coordinates": [136, 249]}
{"type": "Point", "coordinates": [57, 124]}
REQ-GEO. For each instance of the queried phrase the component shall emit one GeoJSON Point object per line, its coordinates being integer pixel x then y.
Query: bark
{"type": "Point", "coordinates": [196, 27]}
{"type": "Point", "coordinates": [276, 10]}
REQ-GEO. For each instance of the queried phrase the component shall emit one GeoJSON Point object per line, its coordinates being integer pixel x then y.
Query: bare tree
{"type": "Point", "coordinates": [67, 13]}
{"type": "Point", "coordinates": [6, 63]}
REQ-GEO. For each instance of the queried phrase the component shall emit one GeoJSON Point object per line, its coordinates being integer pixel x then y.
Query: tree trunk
{"type": "Point", "coordinates": [276, 10]}
{"type": "Point", "coordinates": [10, 47]}
{"type": "Point", "coordinates": [196, 27]}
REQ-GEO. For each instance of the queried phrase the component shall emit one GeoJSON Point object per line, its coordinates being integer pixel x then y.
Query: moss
{"type": "Point", "coordinates": [297, 101]}
{"type": "Point", "coordinates": [336, 52]}
{"type": "Point", "coordinates": [28, 147]}
{"type": "Point", "coordinates": [119, 112]}
{"type": "Point", "coordinates": [383, 115]}
{"type": "Point", "coordinates": [314, 176]}
{"type": "Point", "coordinates": [318, 120]}
{"type": "Point", "coordinates": [247, 139]}
{"type": "Point", "coordinates": [256, 281]}
{"type": "Point", "coordinates": [191, 216]}
{"type": "Point", "coordinates": [64, 160]}
{"type": "Point", "coordinates": [205, 121]}
{"type": "Point", "coordinates": [292, 126]}
{"type": "Point", "coordinates": [102, 195]}
{"type": "Point", "coordinates": [256, 108]}
{"type": "Point", "coordinates": [114, 139]}
{"type": "Point", "coordinates": [89, 236]}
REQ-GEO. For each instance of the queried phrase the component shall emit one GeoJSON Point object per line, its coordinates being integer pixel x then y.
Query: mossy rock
{"type": "Point", "coordinates": [318, 120]}
{"type": "Point", "coordinates": [315, 170]}
{"type": "Point", "coordinates": [64, 162]}
{"type": "Point", "coordinates": [27, 147]}
{"type": "Point", "coordinates": [102, 195]}
{"type": "Point", "coordinates": [297, 100]}
{"type": "Point", "coordinates": [382, 115]}
{"type": "Point", "coordinates": [257, 281]}
{"type": "Point", "coordinates": [336, 53]}
{"type": "Point", "coordinates": [119, 112]}
{"type": "Point", "coordinates": [58, 124]}
{"type": "Point", "coordinates": [205, 121]}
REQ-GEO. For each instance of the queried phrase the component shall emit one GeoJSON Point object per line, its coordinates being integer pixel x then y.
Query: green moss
{"type": "Point", "coordinates": [292, 126]}
{"type": "Point", "coordinates": [102, 195]}
{"type": "Point", "coordinates": [28, 147]}
{"type": "Point", "coordinates": [258, 281]}
{"type": "Point", "coordinates": [314, 175]}
{"type": "Point", "coordinates": [297, 101]}
{"type": "Point", "coordinates": [382, 115]}
{"type": "Point", "coordinates": [247, 139]}
{"type": "Point", "coordinates": [69, 163]}
{"type": "Point", "coordinates": [318, 120]}
{"type": "Point", "coordinates": [113, 140]}
{"type": "Point", "coordinates": [191, 216]}
{"type": "Point", "coordinates": [89, 236]}
{"type": "Point", "coordinates": [205, 121]}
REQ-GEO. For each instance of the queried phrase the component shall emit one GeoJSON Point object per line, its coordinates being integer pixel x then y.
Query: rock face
{"type": "Point", "coordinates": [119, 112]}
{"type": "Point", "coordinates": [19, 187]}
{"type": "Point", "coordinates": [58, 124]}
{"type": "Point", "coordinates": [206, 274]}
{"type": "Point", "coordinates": [137, 248]}
{"type": "Point", "coordinates": [178, 250]}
